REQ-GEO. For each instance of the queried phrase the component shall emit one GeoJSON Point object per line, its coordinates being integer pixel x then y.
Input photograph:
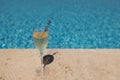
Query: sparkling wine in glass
{"type": "Point", "coordinates": [40, 38]}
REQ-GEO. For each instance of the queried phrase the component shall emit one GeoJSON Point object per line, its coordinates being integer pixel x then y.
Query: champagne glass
{"type": "Point", "coordinates": [40, 38]}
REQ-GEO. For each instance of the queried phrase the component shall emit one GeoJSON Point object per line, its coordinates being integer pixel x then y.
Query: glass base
{"type": "Point", "coordinates": [40, 69]}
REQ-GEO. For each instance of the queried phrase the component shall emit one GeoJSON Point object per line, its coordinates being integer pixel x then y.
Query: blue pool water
{"type": "Point", "coordinates": [75, 24]}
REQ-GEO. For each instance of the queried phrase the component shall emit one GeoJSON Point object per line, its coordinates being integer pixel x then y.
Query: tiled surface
{"type": "Point", "coordinates": [69, 64]}
{"type": "Point", "coordinates": [75, 24]}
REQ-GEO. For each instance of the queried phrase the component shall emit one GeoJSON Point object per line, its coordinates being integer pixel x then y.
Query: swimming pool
{"type": "Point", "coordinates": [75, 24]}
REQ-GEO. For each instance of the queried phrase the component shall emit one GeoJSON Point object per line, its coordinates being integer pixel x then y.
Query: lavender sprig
{"type": "Point", "coordinates": [46, 27]}
{"type": "Point", "coordinates": [48, 23]}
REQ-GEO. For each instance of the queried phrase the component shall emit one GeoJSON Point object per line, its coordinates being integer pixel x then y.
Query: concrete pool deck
{"type": "Point", "coordinates": [68, 64]}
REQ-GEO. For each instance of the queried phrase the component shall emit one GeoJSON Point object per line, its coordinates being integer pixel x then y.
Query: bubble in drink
{"type": "Point", "coordinates": [40, 40]}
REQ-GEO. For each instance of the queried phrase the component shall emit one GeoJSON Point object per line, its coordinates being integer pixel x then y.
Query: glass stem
{"type": "Point", "coordinates": [42, 66]}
